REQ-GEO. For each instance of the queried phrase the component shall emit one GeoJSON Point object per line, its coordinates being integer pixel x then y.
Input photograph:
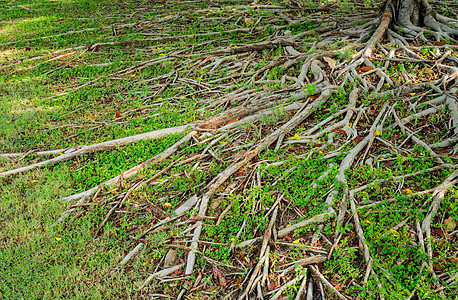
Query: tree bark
{"type": "Point", "coordinates": [417, 17]}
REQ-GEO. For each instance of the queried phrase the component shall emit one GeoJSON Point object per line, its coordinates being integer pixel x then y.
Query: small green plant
{"type": "Point", "coordinates": [276, 114]}
{"type": "Point", "coordinates": [310, 89]}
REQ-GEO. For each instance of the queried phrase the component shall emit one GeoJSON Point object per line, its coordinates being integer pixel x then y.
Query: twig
{"type": "Point", "coordinates": [317, 273]}
{"type": "Point", "coordinates": [98, 147]}
{"type": "Point", "coordinates": [161, 156]}
{"type": "Point", "coordinates": [161, 274]}
{"type": "Point", "coordinates": [263, 257]}
{"type": "Point", "coordinates": [131, 254]}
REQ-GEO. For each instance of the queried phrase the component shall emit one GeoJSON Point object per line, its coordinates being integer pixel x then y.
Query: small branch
{"type": "Point", "coordinates": [130, 255]}
{"type": "Point", "coordinates": [160, 274]}
{"type": "Point", "coordinates": [102, 146]}
{"type": "Point", "coordinates": [131, 172]}
{"type": "Point", "coordinates": [317, 273]}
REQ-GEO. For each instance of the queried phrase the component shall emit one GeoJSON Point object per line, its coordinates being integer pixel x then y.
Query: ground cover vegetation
{"type": "Point", "coordinates": [228, 149]}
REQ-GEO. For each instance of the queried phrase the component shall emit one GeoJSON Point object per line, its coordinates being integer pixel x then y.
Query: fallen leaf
{"type": "Point", "coordinates": [232, 121]}
{"type": "Point", "coordinates": [248, 21]}
{"type": "Point", "coordinates": [272, 286]}
{"type": "Point", "coordinates": [449, 224]}
{"type": "Point", "coordinates": [166, 205]}
{"type": "Point", "coordinates": [367, 221]}
{"type": "Point", "coordinates": [219, 274]}
{"type": "Point", "coordinates": [118, 114]}
{"type": "Point", "coordinates": [331, 62]}
{"type": "Point", "coordinates": [339, 131]}
{"type": "Point", "coordinates": [408, 191]}
{"type": "Point", "coordinates": [90, 116]}
{"type": "Point", "coordinates": [357, 139]}
{"type": "Point", "coordinates": [296, 136]}
{"type": "Point", "coordinates": [365, 69]}
{"type": "Point", "coordinates": [296, 242]}
{"type": "Point", "coordinates": [437, 232]}
{"type": "Point", "coordinates": [170, 258]}
{"type": "Point", "coordinates": [239, 155]}
{"type": "Point", "coordinates": [377, 132]}
{"type": "Point", "coordinates": [394, 232]}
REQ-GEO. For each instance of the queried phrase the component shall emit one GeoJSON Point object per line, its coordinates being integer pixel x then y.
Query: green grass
{"type": "Point", "coordinates": [40, 258]}
{"type": "Point", "coordinates": [45, 104]}
{"type": "Point", "coordinates": [53, 100]}
{"type": "Point", "coordinates": [35, 265]}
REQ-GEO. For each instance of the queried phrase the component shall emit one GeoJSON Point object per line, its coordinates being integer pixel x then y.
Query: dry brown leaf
{"type": "Point", "coordinates": [219, 275]}
{"type": "Point", "coordinates": [357, 139]}
{"type": "Point", "coordinates": [449, 224]}
{"type": "Point", "coordinates": [170, 258]}
{"type": "Point", "coordinates": [239, 155]}
{"type": "Point", "coordinates": [437, 232]}
{"type": "Point", "coordinates": [331, 62]}
{"type": "Point", "coordinates": [235, 120]}
{"type": "Point", "coordinates": [339, 131]}
{"type": "Point", "coordinates": [365, 69]}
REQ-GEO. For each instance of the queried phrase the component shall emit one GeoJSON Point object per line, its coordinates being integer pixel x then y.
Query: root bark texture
{"type": "Point", "coordinates": [300, 154]}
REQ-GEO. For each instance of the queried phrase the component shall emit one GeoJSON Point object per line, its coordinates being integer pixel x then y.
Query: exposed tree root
{"type": "Point", "coordinates": [81, 150]}
{"type": "Point", "coordinates": [346, 109]}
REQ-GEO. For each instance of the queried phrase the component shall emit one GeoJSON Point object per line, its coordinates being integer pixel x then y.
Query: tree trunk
{"type": "Point", "coordinates": [417, 17]}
